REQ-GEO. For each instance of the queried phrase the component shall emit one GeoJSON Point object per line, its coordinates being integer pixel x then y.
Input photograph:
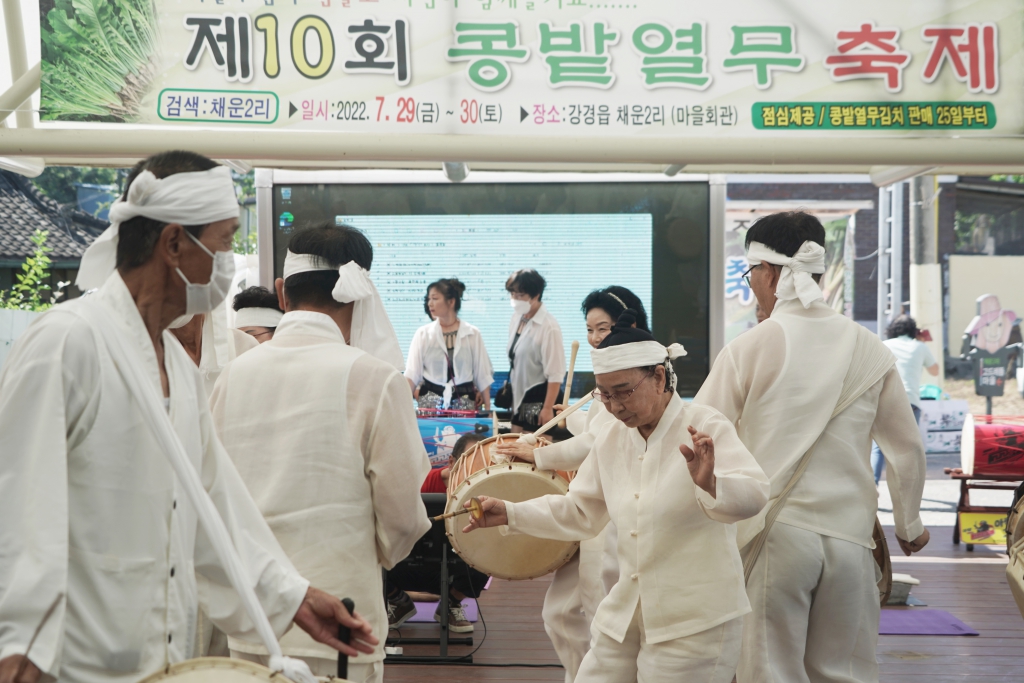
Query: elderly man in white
{"type": "Point", "coordinates": [324, 436]}
{"type": "Point", "coordinates": [674, 479]}
{"type": "Point", "coordinates": [808, 389]}
{"type": "Point", "coordinates": [119, 505]}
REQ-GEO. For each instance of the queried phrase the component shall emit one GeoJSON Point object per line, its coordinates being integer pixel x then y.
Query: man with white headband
{"type": "Point", "coordinates": [325, 437]}
{"type": "Point", "coordinates": [673, 478]}
{"type": "Point", "coordinates": [808, 389]}
{"type": "Point", "coordinates": [257, 313]}
{"type": "Point", "coordinates": [367, 325]}
{"type": "Point", "coordinates": [119, 504]}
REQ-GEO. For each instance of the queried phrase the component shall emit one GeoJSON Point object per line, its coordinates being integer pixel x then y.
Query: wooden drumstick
{"type": "Point", "coordinates": [474, 508]}
{"type": "Point", "coordinates": [568, 380]}
{"type": "Point", "coordinates": [567, 412]}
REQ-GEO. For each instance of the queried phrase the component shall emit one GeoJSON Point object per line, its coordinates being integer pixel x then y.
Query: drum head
{"type": "Point", "coordinates": [516, 556]}
{"type": "Point", "coordinates": [217, 670]}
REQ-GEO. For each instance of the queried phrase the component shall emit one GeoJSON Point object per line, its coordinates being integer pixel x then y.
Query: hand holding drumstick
{"type": "Point", "coordinates": [472, 507]}
{"type": "Point", "coordinates": [492, 513]}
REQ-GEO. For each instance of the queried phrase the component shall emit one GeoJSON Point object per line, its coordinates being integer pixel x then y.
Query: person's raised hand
{"type": "Point", "coordinates": [10, 666]}
{"type": "Point", "coordinates": [700, 460]}
{"type": "Point", "coordinates": [494, 514]}
{"type": "Point", "coordinates": [915, 546]}
{"type": "Point", "coordinates": [320, 615]}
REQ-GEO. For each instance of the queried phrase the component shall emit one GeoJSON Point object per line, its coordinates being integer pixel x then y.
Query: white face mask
{"type": "Point", "coordinates": [206, 297]}
{"type": "Point", "coordinates": [520, 307]}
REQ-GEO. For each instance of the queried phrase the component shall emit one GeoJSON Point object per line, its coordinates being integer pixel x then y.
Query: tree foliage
{"type": "Point", "coordinates": [31, 282]}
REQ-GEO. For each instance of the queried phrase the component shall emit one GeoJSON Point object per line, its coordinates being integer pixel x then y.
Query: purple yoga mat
{"type": "Point", "coordinates": [425, 611]}
{"type": "Point", "coordinates": [922, 622]}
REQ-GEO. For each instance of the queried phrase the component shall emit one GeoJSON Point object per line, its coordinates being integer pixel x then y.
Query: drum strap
{"type": "Point", "coordinates": [853, 388]}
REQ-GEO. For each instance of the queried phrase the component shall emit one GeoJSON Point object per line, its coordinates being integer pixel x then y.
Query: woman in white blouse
{"type": "Point", "coordinates": [448, 367]}
{"type": "Point", "coordinates": [535, 351]}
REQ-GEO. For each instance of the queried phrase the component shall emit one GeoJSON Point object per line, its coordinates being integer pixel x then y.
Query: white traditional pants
{"type": "Point", "coordinates": [322, 668]}
{"type": "Point", "coordinates": [571, 602]}
{"type": "Point", "coordinates": [706, 657]}
{"type": "Point", "coordinates": [566, 624]}
{"type": "Point", "coordinates": [815, 611]}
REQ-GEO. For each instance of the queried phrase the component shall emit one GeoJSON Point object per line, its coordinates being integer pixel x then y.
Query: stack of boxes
{"type": "Point", "coordinates": [941, 425]}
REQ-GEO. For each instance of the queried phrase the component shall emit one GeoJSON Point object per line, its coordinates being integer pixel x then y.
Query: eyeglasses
{"type": "Point", "coordinates": [746, 274]}
{"type": "Point", "coordinates": [620, 396]}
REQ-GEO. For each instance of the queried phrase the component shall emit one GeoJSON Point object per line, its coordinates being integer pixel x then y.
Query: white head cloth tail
{"type": "Point", "coordinates": [371, 328]}
{"type": "Point", "coordinates": [795, 281]}
{"type": "Point", "coordinates": [196, 198]}
{"type": "Point", "coordinates": [218, 344]}
{"type": "Point", "coordinates": [636, 355]}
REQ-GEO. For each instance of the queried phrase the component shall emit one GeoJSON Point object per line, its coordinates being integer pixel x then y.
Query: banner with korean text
{"type": "Point", "coordinates": [744, 68]}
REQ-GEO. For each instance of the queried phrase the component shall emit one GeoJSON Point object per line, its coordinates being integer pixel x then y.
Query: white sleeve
{"type": "Point", "coordinates": [279, 587]}
{"type": "Point", "coordinates": [553, 353]}
{"type": "Point", "coordinates": [414, 364]}
{"type": "Point", "coordinates": [396, 465]}
{"type": "Point", "coordinates": [40, 404]}
{"type": "Point", "coordinates": [741, 487]}
{"type": "Point", "coordinates": [565, 455]}
{"type": "Point", "coordinates": [576, 516]}
{"type": "Point", "coordinates": [896, 432]}
{"type": "Point", "coordinates": [483, 371]}
{"type": "Point", "coordinates": [723, 390]}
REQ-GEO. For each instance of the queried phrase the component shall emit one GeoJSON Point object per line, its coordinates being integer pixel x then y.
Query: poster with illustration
{"type": "Point", "coordinates": [983, 528]}
{"type": "Point", "coordinates": [837, 281]}
{"type": "Point", "coordinates": [440, 434]}
{"type": "Point", "coordinates": [992, 342]}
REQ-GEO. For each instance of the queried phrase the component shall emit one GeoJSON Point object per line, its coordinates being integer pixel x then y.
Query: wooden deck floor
{"type": "Point", "coordinates": [972, 586]}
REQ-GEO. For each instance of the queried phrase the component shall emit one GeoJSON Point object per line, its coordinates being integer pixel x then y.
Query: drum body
{"type": "Point", "coordinates": [217, 670]}
{"type": "Point", "coordinates": [516, 556]}
{"type": "Point", "coordinates": [988, 450]}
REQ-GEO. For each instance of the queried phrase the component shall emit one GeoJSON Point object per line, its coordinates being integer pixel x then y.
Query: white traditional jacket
{"type": "Point", "coordinates": [325, 437]}
{"type": "Point", "coordinates": [677, 549]}
{"type": "Point", "coordinates": [780, 382]}
{"type": "Point", "coordinates": [90, 507]}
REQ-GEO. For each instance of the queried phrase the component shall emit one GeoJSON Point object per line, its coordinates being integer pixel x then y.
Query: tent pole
{"type": "Point", "coordinates": [18, 55]}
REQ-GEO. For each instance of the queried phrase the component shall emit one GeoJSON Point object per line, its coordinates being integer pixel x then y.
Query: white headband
{"type": "Point", "coordinates": [256, 316]}
{"type": "Point", "coordinates": [633, 355]}
{"type": "Point", "coordinates": [371, 328]}
{"type": "Point", "coordinates": [303, 263]}
{"type": "Point", "coordinates": [795, 281]}
{"type": "Point", "coordinates": [196, 198]}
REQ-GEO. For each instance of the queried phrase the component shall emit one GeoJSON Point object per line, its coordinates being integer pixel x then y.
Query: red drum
{"type": "Point", "coordinates": [993, 446]}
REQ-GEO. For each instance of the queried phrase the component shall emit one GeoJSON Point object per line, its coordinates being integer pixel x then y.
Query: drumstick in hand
{"type": "Point", "coordinates": [568, 379]}
{"type": "Point", "coordinates": [474, 509]}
